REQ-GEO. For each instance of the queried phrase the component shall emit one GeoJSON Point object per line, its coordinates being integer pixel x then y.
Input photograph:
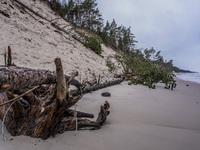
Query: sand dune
{"type": "Point", "coordinates": [36, 43]}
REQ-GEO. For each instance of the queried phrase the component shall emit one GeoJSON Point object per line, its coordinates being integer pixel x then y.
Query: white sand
{"type": "Point", "coordinates": [140, 119]}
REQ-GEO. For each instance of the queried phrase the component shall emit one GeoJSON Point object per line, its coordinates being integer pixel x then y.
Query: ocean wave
{"type": "Point", "coordinates": [194, 77]}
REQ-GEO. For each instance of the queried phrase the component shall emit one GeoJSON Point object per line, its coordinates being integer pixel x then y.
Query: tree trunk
{"type": "Point", "coordinates": [95, 87]}
{"type": "Point", "coordinates": [15, 78]}
{"type": "Point", "coordinates": [61, 83]}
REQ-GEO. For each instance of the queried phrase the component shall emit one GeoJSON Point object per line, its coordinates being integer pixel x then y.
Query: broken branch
{"type": "Point", "coordinates": [20, 96]}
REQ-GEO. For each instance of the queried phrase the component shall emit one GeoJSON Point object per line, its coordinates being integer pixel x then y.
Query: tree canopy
{"type": "Point", "coordinates": [85, 14]}
{"type": "Point", "coordinates": [145, 68]}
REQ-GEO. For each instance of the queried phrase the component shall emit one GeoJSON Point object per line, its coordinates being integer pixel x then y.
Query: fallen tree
{"type": "Point", "coordinates": [95, 87]}
{"type": "Point", "coordinates": [44, 111]}
{"type": "Point", "coordinates": [14, 78]}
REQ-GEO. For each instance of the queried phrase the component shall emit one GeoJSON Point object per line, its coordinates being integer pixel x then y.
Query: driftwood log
{"type": "Point", "coordinates": [44, 111]}
{"type": "Point", "coordinates": [95, 87]}
{"type": "Point", "coordinates": [15, 78]}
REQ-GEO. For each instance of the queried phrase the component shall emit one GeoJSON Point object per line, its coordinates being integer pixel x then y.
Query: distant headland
{"type": "Point", "coordinates": [178, 70]}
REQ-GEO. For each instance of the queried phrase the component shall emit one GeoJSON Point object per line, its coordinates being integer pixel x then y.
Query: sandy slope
{"type": "Point", "coordinates": [140, 119]}
{"type": "Point", "coordinates": [35, 42]}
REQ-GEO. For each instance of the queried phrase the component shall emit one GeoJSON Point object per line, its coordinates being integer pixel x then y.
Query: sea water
{"type": "Point", "coordinates": [194, 77]}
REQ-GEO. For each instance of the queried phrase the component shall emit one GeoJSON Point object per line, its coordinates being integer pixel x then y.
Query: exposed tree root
{"type": "Point", "coordinates": [45, 110]}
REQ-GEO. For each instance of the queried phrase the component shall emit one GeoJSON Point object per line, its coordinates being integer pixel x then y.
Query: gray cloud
{"type": "Point", "coordinates": [171, 26]}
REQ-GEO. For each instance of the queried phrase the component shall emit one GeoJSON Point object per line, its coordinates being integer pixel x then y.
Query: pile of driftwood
{"type": "Point", "coordinates": [41, 101]}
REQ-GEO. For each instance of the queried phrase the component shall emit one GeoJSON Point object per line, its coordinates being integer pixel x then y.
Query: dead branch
{"type": "Point", "coordinates": [61, 83]}
{"type": "Point", "coordinates": [19, 96]}
{"type": "Point", "coordinates": [9, 57]}
{"type": "Point", "coordinates": [23, 5]}
{"type": "Point", "coordinates": [5, 13]}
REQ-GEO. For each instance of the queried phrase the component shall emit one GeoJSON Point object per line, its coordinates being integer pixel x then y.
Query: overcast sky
{"type": "Point", "coordinates": [170, 26]}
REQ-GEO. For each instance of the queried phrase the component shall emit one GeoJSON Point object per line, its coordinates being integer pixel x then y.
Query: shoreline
{"type": "Point", "coordinates": [140, 118]}
{"type": "Point", "coordinates": [189, 78]}
{"type": "Point", "coordinates": [186, 81]}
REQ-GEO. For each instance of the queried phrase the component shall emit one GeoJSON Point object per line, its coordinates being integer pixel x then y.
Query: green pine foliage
{"type": "Point", "coordinates": [56, 4]}
{"type": "Point", "coordinates": [111, 66]}
{"type": "Point", "coordinates": [94, 44]}
{"type": "Point", "coordinates": [144, 70]}
{"type": "Point", "coordinates": [118, 37]}
{"type": "Point", "coordinates": [85, 14]}
{"type": "Point", "coordinates": [153, 75]}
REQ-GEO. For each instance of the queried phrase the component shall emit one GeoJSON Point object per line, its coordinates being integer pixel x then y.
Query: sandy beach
{"type": "Point", "coordinates": [140, 119]}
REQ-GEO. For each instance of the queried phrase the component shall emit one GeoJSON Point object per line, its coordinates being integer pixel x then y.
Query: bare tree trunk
{"type": "Point", "coordinates": [61, 83]}
{"type": "Point", "coordinates": [95, 87]}
{"type": "Point", "coordinates": [15, 78]}
{"type": "Point", "coordinates": [9, 57]}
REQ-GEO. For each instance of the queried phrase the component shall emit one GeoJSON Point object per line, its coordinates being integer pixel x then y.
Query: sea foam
{"type": "Point", "coordinates": [194, 77]}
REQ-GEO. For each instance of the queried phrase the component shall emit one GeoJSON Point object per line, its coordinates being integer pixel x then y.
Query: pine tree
{"type": "Point", "coordinates": [56, 4]}
{"type": "Point", "coordinates": [113, 34]}
{"type": "Point", "coordinates": [128, 40]}
{"type": "Point", "coordinates": [105, 33]}
{"type": "Point", "coordinates": [78, 10]}
{"type": "Point", "coordinates": [92, 19]}
{"type": "Point", "coordinates": [84, 13]}
{"type": "Point", "coordinates": [70, 13]}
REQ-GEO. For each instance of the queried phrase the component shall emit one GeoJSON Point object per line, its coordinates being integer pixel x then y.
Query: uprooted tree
{"type": "Point", "coordinates": [44, 111]}
{"type": "Point", "coordinates": [147, 69]}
